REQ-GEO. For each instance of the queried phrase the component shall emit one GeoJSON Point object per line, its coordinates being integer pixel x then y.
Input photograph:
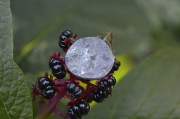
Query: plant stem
{"type": "Point", "coordinates": [50, 107]}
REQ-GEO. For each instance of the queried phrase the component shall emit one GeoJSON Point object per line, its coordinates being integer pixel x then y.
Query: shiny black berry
{"type": "Point", "coordinates": [116, 65]}
{"type": "Point", "coordinates": [67, 33]}
{"type": "Point", "coordinates": [48, 93]}
{"type": "Point", "coordinates": [74, 112]}
{"type": "Point", "coordinates": [63, 45]}
{"type": "Point", "coordinates": [104, 88]}
{"type": "Point", "coordinates": [79, 109]}
{"type": "Point", "coordinates": [57, 68]}
{"type": "Point", "coordinates": [53, 62]}
{"type": "Point", "coordinates": [102, 93]}
{"type": "Point", "coordinates": [108, 90]}
{"type": "Point", "coordinates": [77, 92]}
{"type": "Point", "coordinates": [84, 107]}
{"type": "Point", "coordinates": [44, 82]}
{"type": "Point", "coordinates": [46, 87]}
{"type": "Point", "coordinates": [111, 81]}
{"type": "Point", "coordinates": [64, 35]}
{"type": "Point", "coordinates": [71, 87]}
{"type": "Point", "coordinates": [60, 74]}
{"type": "Point", "coordinates": [74, 90]}
{"type": "Point", "coordinates": [97, 98]}
{"type": "Point", "coordinates": [103, 84]}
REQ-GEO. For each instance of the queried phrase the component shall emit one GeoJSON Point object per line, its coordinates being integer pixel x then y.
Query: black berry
{"type": "Point", "coordinates": [74, 90]}
{"type": "Point", "coordinates": [79, 109]}
{"type": "Point", "coordinates": [57, 68]}
{"type": "Point", "coordinates": [46, 87]}
{"type": "Point", "coordinates": [65, 35]}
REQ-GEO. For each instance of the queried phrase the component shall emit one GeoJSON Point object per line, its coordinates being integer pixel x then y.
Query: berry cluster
{"type": "Point", "coordinates": [104, 88]}
{"type": "Point", "coordinates": [74, 90]}
{"type": "Point", "coordinates": [77, 110]}
{"type": "Point", "coordinates": [51, 88]}
{"type": "Point", "coordinates": [57, 68]}
{"type": "Point", "coordinates": [66, 39]}
{"type": "Point", "coordinates": [46, 86]}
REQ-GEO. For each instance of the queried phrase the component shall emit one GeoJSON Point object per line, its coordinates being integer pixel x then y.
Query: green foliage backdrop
{"type": "Point", "coordinates": [150, 91]}
{"type": "Point", "coordinates": [145, 34]}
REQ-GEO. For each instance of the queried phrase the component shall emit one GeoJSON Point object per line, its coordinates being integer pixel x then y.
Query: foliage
{"type": "Point", "coordinates": [146, 33]}
{"type": "Point", "coordinates": [149, 91]}
{"type": "Point", "coordinates": [15, 95]}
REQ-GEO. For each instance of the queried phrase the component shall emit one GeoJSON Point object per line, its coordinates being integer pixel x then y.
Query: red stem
{"type": "Point", "coordinates": [50, 107]}
{"type": "Point", "coordinates": [61, 114]}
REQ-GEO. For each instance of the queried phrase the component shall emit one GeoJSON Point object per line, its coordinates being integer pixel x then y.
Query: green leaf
{"type": "Point", "coordinates": [6, 35]}
{"type": "Point", "coordinates": [15, 97]}
{"type": "Point", "coordinates": [150, 91]}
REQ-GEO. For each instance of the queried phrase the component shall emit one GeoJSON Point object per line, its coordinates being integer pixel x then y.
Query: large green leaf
{"type": "Point", "coordinates": [15, 97]}
{"type": "Point", "coordinates": [6, 40]}
{"type": "Point", "coordinates": [150, 91]}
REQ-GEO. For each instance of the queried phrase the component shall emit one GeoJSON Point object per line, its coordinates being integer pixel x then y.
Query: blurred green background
{"type": "Point", "coordinates": [140, 29]}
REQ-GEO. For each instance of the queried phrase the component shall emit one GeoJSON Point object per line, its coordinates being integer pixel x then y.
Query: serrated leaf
{"type": "Point", "coordinates": [15, 97]}
{"type": "Point", "coordinates": [6, 35]}
{"type": "Point", "coordinates": [150, 91]}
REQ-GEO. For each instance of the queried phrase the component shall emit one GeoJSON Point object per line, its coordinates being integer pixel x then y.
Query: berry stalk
{"type": "Point", "coordinates": [50, 107]}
